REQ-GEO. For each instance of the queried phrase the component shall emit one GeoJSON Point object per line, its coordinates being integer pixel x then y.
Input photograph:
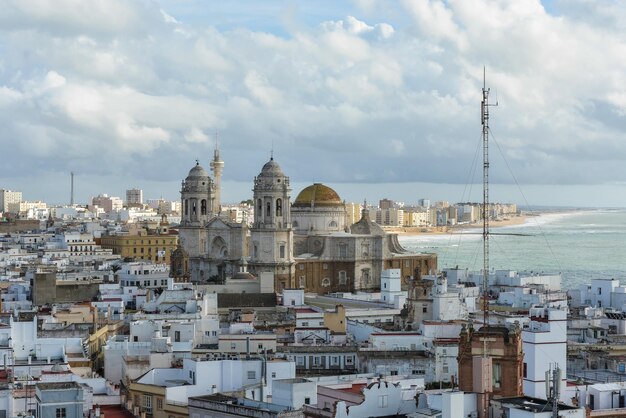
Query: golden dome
{"type": "Point", "coordinates": [317, 195]}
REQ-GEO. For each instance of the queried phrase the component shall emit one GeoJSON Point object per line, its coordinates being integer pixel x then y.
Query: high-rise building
{"type": "Point", "coordinates": [385, 204]}
{"type": "Point", "coordinates": [107, 203]}
{"type": "Point", "coordinates": [134, 197]}
{"type": "Point", "coordinates": [9, 199]}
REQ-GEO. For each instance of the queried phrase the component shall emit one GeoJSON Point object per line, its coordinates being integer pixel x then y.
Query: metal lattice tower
{"type": "Point", "coordinates": [484, 107]}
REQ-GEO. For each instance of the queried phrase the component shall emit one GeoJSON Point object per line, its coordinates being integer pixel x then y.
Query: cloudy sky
{"type": "Point", "coordinates": [376, 98]}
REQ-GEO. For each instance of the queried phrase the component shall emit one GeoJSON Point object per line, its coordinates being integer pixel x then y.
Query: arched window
{"type": "Point", "coordinates": [186, 204]}
{"type": "Point", "coordinates": [279, 207]}
{"type": "Point", "coordinates": [332, 224]}
{"type": "Point", "coordinates": [193, 207]}
{"type": "Point", "coordinates": [269, 209]}
{"type": "Point", "coordinates": [260, 207]}
{"type": "Point", "coordinates": [203, 207]}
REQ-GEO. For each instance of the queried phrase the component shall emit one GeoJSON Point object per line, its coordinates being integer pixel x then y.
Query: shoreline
{"type": "Point", "coordinates": [458, 229]}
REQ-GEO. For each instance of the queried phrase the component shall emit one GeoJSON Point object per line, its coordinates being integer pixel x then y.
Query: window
{"type": "Point", "coordinates": [282, 251]}
{"type": "Point", "coordinates": [160, 404]}
{"type": "Point", "coordinates": [279, 207]}
{"type": "Point", "coordinates": [445, 369]}
{"type": "Point", "coordinates": [233, 346]}
{"type": "Point", "coordinates": [307, 401]}
{"type": "Point", "coordinates": [343, 278]}
{"type": "Point", "coordinates": [325, 282]}
{"type": "Point", "coordinates": [525, 370]}
{"type": "Point", "coordinates": [302, 281]}
{"type": "Point", "coordinates": [325, 266]}
{"type": "Point", "coordinates": [424, 308]}
{"type": "Point", "coordinates": [146, 403]}
{"type": "Point", "coordinates": [177, 336]}
{"type": "Point", "coordinates": [317, 361]}
{"type": "Point", "coordinates": [203, 207]}
{"type": "Point", "coordinates": [61, 413]}
{"type": "Point", "coordinates": [268, 209]}
{"type": "Point", "coordinates": [186, 205]}
{"type": "Point", "coordinates": [300, 361]}
{"type": "Point", "coordinates": [251, 374]}
{"type": "Point", "coordinates": [497, 375]}
{"type": "Point", "coordinates": [383, 401]}
{"type": "Point", "coordinates": [305, 323]}
{"type": "Point", "coordinates": [343, 250]}
{"type": "Point", "coordinates": [273, 375]}
{"type": "Point", "coordinates": [599, 291]}
{"type": "Point", "coordinates": [260, 346]}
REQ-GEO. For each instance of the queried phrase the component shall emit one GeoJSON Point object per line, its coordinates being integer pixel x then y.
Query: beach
{"type": "Point", "coordinates": [421, 230]}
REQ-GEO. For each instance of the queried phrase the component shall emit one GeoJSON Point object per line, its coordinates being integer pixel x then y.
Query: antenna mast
{"type": "Point", "coordinates": [484, 108]}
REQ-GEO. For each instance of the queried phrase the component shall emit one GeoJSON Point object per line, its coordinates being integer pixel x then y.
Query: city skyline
{"type": "Point", "coordinates": [372, 100]}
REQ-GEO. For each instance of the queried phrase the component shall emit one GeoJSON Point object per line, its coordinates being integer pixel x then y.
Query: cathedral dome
{"type": "Point", "coordinates": [197, 171]}
{"type": "Point", "coordinates": [271, 168]}
{"type": "Point", "coordinates": [317, 195]}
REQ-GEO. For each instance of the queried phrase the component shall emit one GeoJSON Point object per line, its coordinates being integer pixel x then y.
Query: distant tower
{"type": "Point", "coordinates": [271, 237]}
{"type": "Point", "coordinates": [216, 166]}
{"type": "Point", "coordinates": [72, 189]}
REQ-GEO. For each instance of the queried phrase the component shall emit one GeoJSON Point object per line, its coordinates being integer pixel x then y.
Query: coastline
{"type": "Point", "coordinates": [419, 230]}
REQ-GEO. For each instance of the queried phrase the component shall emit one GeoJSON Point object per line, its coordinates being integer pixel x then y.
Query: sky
{"type": "Point", "coordinates": [374, 98]}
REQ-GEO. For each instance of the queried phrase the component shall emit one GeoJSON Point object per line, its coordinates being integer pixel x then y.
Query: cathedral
{"type": "Point", "coordinates": [303, 244]}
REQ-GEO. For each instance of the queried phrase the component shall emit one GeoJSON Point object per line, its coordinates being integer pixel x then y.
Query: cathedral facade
{"type": "Point", "coordinates": [305, 244]}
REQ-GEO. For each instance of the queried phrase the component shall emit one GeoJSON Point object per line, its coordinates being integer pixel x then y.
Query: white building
{"type": "Point", "coordinates": [8, 200]}
{"type": "Point", "coordinates": [200, 377]}
{"type": "Point", "coordinates": [391, 292]}
{"type": "Point", "coordinates": [544, 343]}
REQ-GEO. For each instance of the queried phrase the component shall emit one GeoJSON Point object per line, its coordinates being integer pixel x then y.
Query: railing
{"type": "Point", "coordinates": [608, 412]}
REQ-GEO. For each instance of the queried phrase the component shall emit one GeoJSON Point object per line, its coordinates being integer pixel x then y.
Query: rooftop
{"type": "Point", "coordinates": [533, 404]}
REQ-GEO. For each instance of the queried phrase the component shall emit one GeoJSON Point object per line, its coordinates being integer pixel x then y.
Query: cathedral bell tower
{"type": "Point", "coordinates": [217, 165]}
{"type": "Point", "coordinates": [271, 243]}
{"type": "Point", "coordinates": [197, 209]}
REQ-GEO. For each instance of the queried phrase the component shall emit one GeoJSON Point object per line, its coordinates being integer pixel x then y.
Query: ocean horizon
{"type": "Point", "coordinates": [581, 244]}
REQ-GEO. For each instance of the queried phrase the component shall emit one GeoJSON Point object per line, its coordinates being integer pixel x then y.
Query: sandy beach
{"type": "Point", "coordinates": [418, 230]}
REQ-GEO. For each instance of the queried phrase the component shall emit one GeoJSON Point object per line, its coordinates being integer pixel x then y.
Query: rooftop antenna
{"type": "Point", "coordinates": [272, 151]}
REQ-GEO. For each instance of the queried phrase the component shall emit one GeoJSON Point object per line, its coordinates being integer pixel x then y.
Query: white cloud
{"type": "Point", "coordinates": [133, 81]}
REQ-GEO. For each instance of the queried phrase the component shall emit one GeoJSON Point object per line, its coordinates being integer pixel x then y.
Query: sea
{"type": "Point", "coordinates": [580, 244]}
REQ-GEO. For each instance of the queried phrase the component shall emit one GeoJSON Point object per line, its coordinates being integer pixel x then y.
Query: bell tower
{"type": "Point", "coordinates": [217, 165]}
{"type": "Point", "coordinates": [197, 209]}
{"type": "Point", "coordinates": [271, 243]}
